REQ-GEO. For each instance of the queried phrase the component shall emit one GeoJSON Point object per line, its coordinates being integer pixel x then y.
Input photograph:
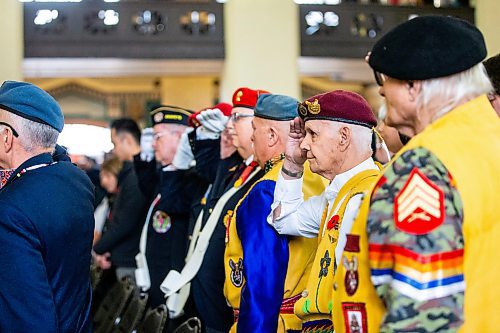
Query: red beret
{"type": "Point", "coordinates": [246, 97]}
{"type": "Point", "coordinates": [225, 108]}
{"type": "Point", "coordinates": [339, 105]}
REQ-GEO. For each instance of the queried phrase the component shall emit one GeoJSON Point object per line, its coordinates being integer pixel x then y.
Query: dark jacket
{"type": "Point", "coordinates": [123, 232]}
{"type": "Point", "coordinates": [46, 230]}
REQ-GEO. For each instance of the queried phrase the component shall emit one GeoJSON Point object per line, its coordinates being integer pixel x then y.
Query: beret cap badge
{"type": "Point", "coordinates": [314, 107]}
{"type": "Point", "coordinates": [238, 95]}
{"type": "Point", "coordinates": [302, 109]}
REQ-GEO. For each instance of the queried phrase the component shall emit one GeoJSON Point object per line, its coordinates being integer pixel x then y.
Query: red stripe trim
{"type": "Point", "coordinates": [423, 259]}
{"type": "Point", "coordinates": [286, 306]}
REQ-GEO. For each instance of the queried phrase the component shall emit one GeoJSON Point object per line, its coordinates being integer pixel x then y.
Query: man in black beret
{"type": "Point", "coordinates": [492, 66]}
{"type": "Point", "coordinates": [46, 220]}
{"type": "Point", "coordinates": [432, 220]}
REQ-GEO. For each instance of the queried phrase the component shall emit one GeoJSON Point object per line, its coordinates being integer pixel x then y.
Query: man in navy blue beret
{"type": "Point", "coordinates": [46, 220]}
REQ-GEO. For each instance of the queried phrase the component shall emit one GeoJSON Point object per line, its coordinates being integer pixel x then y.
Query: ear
{"type": "Point", "coordinates": [345, 138]}
{"type": "Point", "coordinates": [414, 89]}
{"type": "Point", "coordinates": [7, 142]}
{"type": "Point", "coordinates": [272, 136]}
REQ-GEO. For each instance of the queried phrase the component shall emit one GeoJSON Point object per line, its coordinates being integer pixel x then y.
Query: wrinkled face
{"type": "Point", "coordinates": [119, 141]}
{"type": "Point", "coordinates": [322, 146]}
{"type": "Point", "coordinates": [109, 181]}
{"type": "Point", "coordinates": [401, 107]}
{"type": "Point", "coordinates": [260, 139]}
{"type": "Point", "coordinates": [240, 126]}
{"type": "Point", "coordinates": [165, 140]}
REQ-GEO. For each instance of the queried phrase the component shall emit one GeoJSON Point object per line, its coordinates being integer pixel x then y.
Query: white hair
{"type": "Point", "coordinates": [33, 135]}
{"type": "Point", "coordinates": [361, 136]}
{"type": "Point", "coordinates": [443, 94]}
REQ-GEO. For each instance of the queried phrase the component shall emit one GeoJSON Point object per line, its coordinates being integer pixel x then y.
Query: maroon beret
{"type": "Point", "coordinates": [338, 105]}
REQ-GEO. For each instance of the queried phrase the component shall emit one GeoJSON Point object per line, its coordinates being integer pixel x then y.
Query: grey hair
{"type": "Point", "coordinates": [441, 95]}
{"type": "Point", "coordinates": [32, 135]}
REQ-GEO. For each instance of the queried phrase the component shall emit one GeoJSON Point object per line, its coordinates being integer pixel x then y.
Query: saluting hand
{"type": "Point", "coordinates": [295, 157]}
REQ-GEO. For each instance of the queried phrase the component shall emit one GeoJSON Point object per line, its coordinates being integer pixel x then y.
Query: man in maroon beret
{"type": "Point", "coordinates": [333, 133]}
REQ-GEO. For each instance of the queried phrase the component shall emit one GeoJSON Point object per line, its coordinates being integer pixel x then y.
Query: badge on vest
{"type": "Point", "coordinates": [355, 317]}
{"type": "Point", "coordinates": [351, 279]}
{"type": "Point", "coordinates": [161, 222]}
{"type": "Point", "coordinates": [324, 263]}
{"type": "Point", "coordinates": [236, 272]}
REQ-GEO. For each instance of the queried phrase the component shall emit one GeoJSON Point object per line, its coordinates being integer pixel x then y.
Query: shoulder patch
{"type": "Point", "coordinates": [419, 206]}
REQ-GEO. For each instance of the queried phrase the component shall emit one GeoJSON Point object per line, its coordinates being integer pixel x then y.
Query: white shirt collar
{"type": "Point", "coordinates": [340, 180]}
{"type": "Point", "coordinates": [249, 160]}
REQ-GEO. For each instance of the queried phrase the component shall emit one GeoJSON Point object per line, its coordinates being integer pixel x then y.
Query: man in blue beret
{"type": "Point", "coordinates": [265, 271]}
{"type": "Point", "coordinates": [433, 217]}
{"type": "Point", "coordinates": [46, 220]}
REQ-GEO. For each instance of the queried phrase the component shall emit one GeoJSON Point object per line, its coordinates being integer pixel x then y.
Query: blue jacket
{"type": "Point", "coordinates": [46, 230]}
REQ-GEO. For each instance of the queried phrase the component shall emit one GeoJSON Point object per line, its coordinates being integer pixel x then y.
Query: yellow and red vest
{"type": "Point", "coordinates": [315, 306]}
{"type": "Point", "coordinates": [301, 252]}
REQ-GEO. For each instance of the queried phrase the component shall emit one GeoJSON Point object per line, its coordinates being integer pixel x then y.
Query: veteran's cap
{"type": "Point", "coordinates": [276, 107]}
{"type": "Point", "coordinates": [169, 114]}
{"type": "Point", "coordinates": [29, 101]}
{"type": "Point", "coordinates": [246, 97]}
{"type": "Point", "coordinates": [428, 47]}
{"type": "Point", "coordinates": [338, 105]}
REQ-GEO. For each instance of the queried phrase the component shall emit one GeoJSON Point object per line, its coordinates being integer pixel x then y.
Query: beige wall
{"type": "Point", "coordinates": [488, 21]}
{"type": "Point", "coordinates": [193, 93]}
{"type": "Point", "coordinates": [11, 26]}
{"type": "Point", "coordinates": [262, 46]}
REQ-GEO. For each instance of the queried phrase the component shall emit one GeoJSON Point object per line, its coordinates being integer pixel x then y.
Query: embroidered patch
{"type": "Point", "coordinates": [419, 206]}
{"type": "Point", "coordinates": [324, 263]}
{"type": "Point", "coordinates": [236, 272]}
{"type": "Point", "coordinates": [355, 319]}
{"type": "Point", "coordinates": [4, 176]}
{"type": "Point", "coordinates": [161, 222]}
{"type": "Point", "coordinates": [314, 107]}
{"type": "Point", "coordinates": [352, 243]}
{"type": "Point", "coordinates": [333, 223]}
{"type": "Point", "coordinates": [351, 279]}
{"type": "Point", "coordinates": [158, 117]}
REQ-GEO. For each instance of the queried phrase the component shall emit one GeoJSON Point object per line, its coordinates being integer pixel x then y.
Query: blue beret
{"type": "Point", "coordinates": [28, 101]}
{"type": "Point", "coordinates": [276, 107]}
{"type": "Point", "coordinates": [428, 47]}
{"type": "Point", "coordinates": [168, 114]}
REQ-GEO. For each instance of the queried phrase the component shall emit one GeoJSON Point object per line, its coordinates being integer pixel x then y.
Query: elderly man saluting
{"type": "Point", "coordinates": [334, 134]}
{"type": "Point", "coordinates": [46, 220]}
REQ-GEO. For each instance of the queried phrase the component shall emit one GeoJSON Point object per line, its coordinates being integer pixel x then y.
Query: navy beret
{"type": "Point", "coordinates": [276, 107]}
{"type": "Point", "coordinates": [168, 114]}
{"type": "Point", "coordinates": [29, 101]}
{"type": "Point", "coordinates": [428, 47]}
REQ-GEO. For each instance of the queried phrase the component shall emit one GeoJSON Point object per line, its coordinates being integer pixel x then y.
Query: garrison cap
{"type": "Point", "coordinates": [338, 105]}
{"type": "Point", "coordinates": [428, 47]}
{"type": "Point", "coordinates": [29, 101]}
{"type": "Point", "coordinates": [276, 107]}
{"type": "Point", "coordinates": [168, 114]}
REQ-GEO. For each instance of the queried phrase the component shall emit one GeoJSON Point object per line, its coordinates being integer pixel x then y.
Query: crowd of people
{"type": "Point", "coordinates": [271, 214]}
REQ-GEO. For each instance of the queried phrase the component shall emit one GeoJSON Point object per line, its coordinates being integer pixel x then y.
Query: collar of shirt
{"type": "Point", "coordinates": [341, 179]}
{"type": "Point", "coordinates": [249, 160]}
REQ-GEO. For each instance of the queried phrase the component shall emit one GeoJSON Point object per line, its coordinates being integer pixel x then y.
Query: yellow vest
{"type": "Point", "coordinates": [301, 252]}
{"type": "Point", "coordinates": [355, 302]}
{"type": "Point", "coordinates": [316, 302]}
{"type": "Point", "coordinates": [473, 160]}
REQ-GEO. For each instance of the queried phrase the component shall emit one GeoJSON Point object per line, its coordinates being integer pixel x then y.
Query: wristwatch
{"type": "Point", "coordinates": [292, 174]}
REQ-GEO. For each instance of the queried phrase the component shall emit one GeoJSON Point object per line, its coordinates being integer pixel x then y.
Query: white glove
{"type": "Point", "coordinates": [147, 152]}
{"type": "Point", "coordinates": [183, 156]}
{"type": "Point", "coordinates": [213, 122]}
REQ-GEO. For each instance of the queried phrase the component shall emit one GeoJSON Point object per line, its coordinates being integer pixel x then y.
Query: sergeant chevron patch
{"type": "Point", "coordinates": [419, 206]}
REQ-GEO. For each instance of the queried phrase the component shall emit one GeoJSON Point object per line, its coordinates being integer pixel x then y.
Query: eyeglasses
{"type": "Point", "coordinates": [14, 132]}
{"type": "Point", "coordinates": [158, 135]}
{"type": "Point", "coordinates": [379, 78]}
{"type": "Point", "coordinates": [236, 116]}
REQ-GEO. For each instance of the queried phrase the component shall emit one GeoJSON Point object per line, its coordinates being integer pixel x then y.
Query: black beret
{"type": "Point", "coordinates": [428, 47]}
{"type": "Point", "coordinates": [168, 114]}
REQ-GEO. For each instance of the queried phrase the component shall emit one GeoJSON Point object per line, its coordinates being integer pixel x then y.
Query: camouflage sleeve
{"type": "Point", "coordinates": [416, 245]}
